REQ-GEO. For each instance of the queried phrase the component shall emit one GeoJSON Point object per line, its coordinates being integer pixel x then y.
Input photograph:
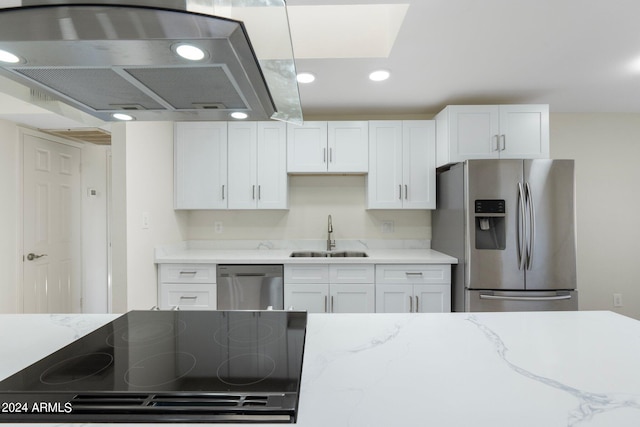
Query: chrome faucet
{"type": "Point", "coordinates": [330, 243]}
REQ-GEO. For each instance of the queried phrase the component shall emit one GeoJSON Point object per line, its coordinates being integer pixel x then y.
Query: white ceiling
{"type": "Point", "coordinates": [576, 55]}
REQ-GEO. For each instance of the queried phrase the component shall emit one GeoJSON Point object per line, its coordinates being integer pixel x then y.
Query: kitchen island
{"type": "Point", "coordinates": [454, 369]}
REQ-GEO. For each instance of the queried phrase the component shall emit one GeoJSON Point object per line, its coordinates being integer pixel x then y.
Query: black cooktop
{"type": "Point", "coordinates": [168, 366]}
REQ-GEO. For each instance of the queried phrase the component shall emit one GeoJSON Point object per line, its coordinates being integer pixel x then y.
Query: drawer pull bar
{"type": "Point", "coordinates": [186, 297]}
{"type": "Point", "coordinates": [409, 273]}
{"type": "Point", "coordinates": [192, 273]}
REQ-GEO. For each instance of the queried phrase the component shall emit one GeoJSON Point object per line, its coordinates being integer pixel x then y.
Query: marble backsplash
{"type": "Point", "coordinates": [301, 244]}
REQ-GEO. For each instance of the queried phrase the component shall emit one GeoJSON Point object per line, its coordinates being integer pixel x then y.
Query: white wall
{"type": "Point", "coordinates": [119, 218]}
{"type": "Point", "coordinates": [10, 259]}
{"type": "Point", "coordinates": [607, 152]}
{"type": "Point", "coordinates": [94, 226]}
{"type": "Point", "coordinates": [311, 200]}
{"type": "Point", "coordinates": [142, 184]}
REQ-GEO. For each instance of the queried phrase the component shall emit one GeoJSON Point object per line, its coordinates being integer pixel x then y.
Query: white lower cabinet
{"type": "Point", "coordinates": [187, 286]}
{"type": "Point", "coordinates": [334, 288]}
{"type": "Point", "coordinates": [408, 288]}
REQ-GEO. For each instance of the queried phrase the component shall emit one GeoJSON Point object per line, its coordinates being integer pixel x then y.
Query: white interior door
{"type": "Point", "coordinates": [51, 227]}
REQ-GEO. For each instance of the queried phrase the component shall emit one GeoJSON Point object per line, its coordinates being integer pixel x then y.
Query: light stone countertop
{"type": "Point", "coordinates": [278, 252]}
{"type": "Point", "coordinates": [537, 369]}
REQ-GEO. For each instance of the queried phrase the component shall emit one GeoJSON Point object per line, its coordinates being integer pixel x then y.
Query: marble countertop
{"type": "Point", "coordinates": [261, 252]}
{"type": "Point", "coordinates": [415, 370]}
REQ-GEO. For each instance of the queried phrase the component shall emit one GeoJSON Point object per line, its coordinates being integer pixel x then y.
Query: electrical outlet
{"type": "Point", "coordinates": [617, 300]}
{"type": "Point", "coordinates": [387, 226]}
{"type": "Point", "coordinates": [145, 220]}
{"type": "Point", "coordinates": [217, 227]}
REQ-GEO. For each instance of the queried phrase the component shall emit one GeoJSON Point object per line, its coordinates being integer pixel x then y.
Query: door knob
{"type": "Point", "coordinates": [33, 256]}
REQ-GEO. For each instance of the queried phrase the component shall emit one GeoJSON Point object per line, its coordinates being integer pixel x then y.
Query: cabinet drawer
{"type": "Point", "coordinates": [188, 297]}
{"type": "Point", "coordinates": [351, 273]}
{"type": "Point", "coordinates": [306, 273]}
{"type": "Point", "coordinates": [413, 273]}
{"type": "Point", "coordinates": [187, 273]}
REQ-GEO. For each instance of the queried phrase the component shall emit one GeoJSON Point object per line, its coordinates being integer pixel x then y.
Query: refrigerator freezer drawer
{"type": "Point", "coordinates": [521, 301]}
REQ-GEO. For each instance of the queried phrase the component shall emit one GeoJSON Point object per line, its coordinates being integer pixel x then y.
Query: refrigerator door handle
{"type": "Point", "coordinates": [520, 228]}
{"type": "Point", "coordinates": [532, 225]}
{"type": "Point", "coordinates": [514, 298]}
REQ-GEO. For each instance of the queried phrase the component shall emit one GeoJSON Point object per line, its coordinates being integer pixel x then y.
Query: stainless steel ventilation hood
{"type": "Point", "coordinates": [109, 56]}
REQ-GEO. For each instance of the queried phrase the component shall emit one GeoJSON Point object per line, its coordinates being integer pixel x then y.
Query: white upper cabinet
{"type": "Point", "coordinates": [272, 166]}
{"type": "Point", "coordinates": [230, 165]}
{"type": "Point", "coordinates": [317, 147]}
{"type": "Point", "coordinates": [243, 164]}
{"type": "Point", "coordinates": [257, 174]}
{"type": "Point", "coordinates": [200, 161]}
{"type": "Point", "coordinates": [348, 145]}
{"type": "Point", "coordinates": [401, 165]}
{"type": "Point", "coordinates": [492, 132]}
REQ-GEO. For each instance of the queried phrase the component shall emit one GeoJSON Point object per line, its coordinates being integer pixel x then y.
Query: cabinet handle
{"type": "Point", "coordinates": [253, 192]}
{"type": "Point", "coordinates": [330, 155]}
{"type": "Point", "coordinates": [222, 191]}
{"type": "Point", "coordinates": [400, 191]}
{"type": "Point", "coordinates": [411, 273]}
{"type": "Point", "coordinates": [259, 192]}
{"type": "Point", "coordinates": [326, 306]}
{"type": "Point", "coordinates": [406, 191]}
{"type": "Point", "coordinates": [496, 145]}
{"type": "Point", "coordinates": [504, 143]}
{"type": "Point", "coordinates": [186, 297]}
{"type": "Point", "coordinates": [332, 310]}
{"type": "Point", "coordinates": [417, 304]}
{"type": "Point", "coordinates": [193, 273]}
{"type": "Point", "coordinates": [410, 304]}
{"type": "Point", "coordinates": [324, 155]}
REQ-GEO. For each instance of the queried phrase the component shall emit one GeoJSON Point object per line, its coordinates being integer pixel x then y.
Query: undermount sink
{"type": "Point", "coordinates": [325, 254]}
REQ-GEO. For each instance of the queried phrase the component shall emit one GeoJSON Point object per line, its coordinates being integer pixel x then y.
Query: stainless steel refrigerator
{"type": "Point", "coordinates": [511, 224]}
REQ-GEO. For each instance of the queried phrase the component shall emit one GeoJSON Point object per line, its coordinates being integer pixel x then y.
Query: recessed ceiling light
{"type": "Point", "coordinates": [8, 57]}
{"type": "Point", "coordinates": [305, 77]}
{"type": "Point", "coordinates": [379, 75]}
{"type": "Point", "coordinates": [122, 116]}
{"type": "Point", "coordinates": [239, 115]}
{"type": "Point", "coordinates": [190, 52]}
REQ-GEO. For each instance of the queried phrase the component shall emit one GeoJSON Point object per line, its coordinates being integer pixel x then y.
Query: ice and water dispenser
{"type": "Point", "coordinates": [490, 224]}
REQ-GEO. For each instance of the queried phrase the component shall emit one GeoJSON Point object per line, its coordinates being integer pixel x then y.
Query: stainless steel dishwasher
{"type": "Point", "coordinates": [250, 287]}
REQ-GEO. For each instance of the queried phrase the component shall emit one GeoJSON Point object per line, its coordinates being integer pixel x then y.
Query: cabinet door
{"type": "Point", "coordinates": [352, 298]}
{"type": "Point", "coordinates": [473, 132]}
{"type": "Point", "coordinates": [313, 298]}
{"type": "Point", "coordinates": [307, 147]}
{"type": "Point", "coordinates": [419, 164]}
{"type": "Point", "coordinates": [394, 298]}
{"type": "Point", "coordinates": [242, 164]}
{"type": "Point", "coordinates": [524, 131]}
{"type": "Point", "coordinates": [272, 190]}
{"type": "Point", "coordinates": [384, 181]}
{"type": "Point", "coordinates": [200, 160]}
{"type": "Point", "coordinates": [432, 298]}
{"type": "Point", "coordinates": [348, 145]}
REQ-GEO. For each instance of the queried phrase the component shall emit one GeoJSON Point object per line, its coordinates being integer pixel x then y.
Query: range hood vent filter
{"type": "Point", "coordinates": [208, 85]}
{"type": "Point", "coordinates": [105, 89]}
{"type": "Point", "coordinates": [99, 89]}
